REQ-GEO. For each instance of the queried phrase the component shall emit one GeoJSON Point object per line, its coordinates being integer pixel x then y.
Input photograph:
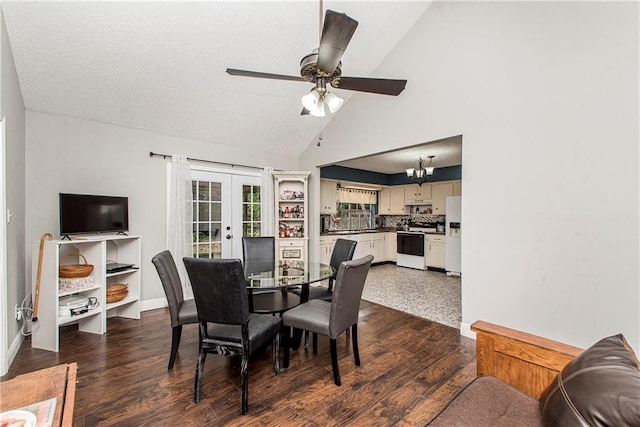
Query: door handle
{"type": "Point", "coordinates": [228, 236]}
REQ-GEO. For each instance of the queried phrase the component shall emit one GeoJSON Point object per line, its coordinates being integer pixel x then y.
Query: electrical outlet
{"type": "Point", "coordinates": [18, 313]}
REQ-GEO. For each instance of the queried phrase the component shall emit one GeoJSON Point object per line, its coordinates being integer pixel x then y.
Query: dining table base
{"type": "Point", "coordinates": [274, 302]}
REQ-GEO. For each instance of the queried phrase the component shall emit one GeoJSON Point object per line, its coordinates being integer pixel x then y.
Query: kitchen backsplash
{"type": "Point", "coordinates": [392, 220]}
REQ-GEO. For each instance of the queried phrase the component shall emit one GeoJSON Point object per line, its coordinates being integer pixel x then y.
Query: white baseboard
{"type": "Point", "coordinates": [13, 348]}
{"type": "Point", "coordinates": [152, 304]}
{"type": "Point", "coordinates": [465, 331]}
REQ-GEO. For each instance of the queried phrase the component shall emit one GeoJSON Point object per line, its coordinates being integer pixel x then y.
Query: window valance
{"type": "Point", "coordinates": [352, 195]}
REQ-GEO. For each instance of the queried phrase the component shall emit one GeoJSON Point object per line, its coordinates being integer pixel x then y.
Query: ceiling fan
{"type": "Point", "coordinates": [322, 67]}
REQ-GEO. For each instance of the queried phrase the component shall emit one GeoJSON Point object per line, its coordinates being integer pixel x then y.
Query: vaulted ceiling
{"type": "Point", "coordinates": [160, 66]}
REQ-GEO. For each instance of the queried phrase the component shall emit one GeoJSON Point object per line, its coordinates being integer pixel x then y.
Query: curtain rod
{"type": "Point", "coordinates": [355, 187]}
{"type": "Point", "coordinates": [168, 156]}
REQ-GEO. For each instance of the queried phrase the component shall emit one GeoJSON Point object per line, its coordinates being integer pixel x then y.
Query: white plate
{"type": "Point", "coordinates": [18, 418]}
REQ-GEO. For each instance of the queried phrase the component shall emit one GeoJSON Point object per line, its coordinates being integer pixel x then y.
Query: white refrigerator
{"type": "Point", "coordinates": [453, 236]}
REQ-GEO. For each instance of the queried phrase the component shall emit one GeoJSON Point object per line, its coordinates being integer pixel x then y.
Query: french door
{"type": "Point", "coordinates": [226, 207]}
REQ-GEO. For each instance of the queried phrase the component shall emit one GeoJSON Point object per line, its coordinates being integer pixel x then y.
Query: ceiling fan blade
{"type": "Point", "coordinates": [244, 73]}
{"type": "Point", "coordinates": [364, 84]}
{"type": "Point", "coordinates": [336, 35]}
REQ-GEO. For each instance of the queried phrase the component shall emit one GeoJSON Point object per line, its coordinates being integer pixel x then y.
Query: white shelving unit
{"type": "Point", "coordinates": [97, 250]}
{"type": "Point", "coordinates": [291, 193]}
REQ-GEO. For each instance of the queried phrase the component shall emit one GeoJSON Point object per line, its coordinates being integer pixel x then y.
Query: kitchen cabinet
{"type": "Point", "coordinates": [391, 246]}
{"type": "Point", "coordinates": [327, 244]}
{"type": "Point", "coordinates": [369, 243]}
{"type": "Point", "coordinates": [415, 193]}
{"type": "Point", "coordinates": [391, 200]}
{"type": "Point", "coordinates": [377, 247]}
{"type": "Point", "coordinates": [384, 201]}
{"type": "Point", "coordinates": [327, 196]}
{"type": "Point", "coordinates": [440, 192]}
{"type": "Point", "coordinates": [457, 188]}
{"type": "Point", "coordinates": [436, 251]}
{"type": "Point", "coordinates": [362, 248]}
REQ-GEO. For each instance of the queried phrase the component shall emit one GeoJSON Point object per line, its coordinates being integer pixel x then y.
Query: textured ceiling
{"type": "Point", "coordinates": [160, 66]}
{"type": "Point", "coordinates": [447, 152]}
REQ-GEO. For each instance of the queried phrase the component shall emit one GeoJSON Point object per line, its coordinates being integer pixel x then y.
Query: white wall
{"type": "Point", "coordinates": [12, 107]}
{"type": "Point", "coordinates": [546, 97]}
{"type": "Point", "coordinates": [78, 156]}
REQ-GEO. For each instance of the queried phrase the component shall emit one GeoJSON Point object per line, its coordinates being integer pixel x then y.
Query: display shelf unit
{"type": "Point", "coordinates": [97, 250]}
{"type": "Point", "coordinates": [291, 213]}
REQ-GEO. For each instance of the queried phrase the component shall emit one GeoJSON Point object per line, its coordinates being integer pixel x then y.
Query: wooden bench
{"type": "Point", "coordinates": [525, 361]}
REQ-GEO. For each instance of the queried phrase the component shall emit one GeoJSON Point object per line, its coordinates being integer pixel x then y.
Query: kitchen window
{"type": "Point", "coordinates": [356, 216]}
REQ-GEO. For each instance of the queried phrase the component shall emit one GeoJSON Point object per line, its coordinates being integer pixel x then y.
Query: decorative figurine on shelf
{"type": "Point", "coordinates": [287, 212]}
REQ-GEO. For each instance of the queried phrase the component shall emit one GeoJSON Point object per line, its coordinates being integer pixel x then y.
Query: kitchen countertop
{"type": "Point", "coordinates": [376, 230]}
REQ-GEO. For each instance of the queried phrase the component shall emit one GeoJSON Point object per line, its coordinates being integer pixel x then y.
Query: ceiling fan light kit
{"type": "Point", "coordinates": [422, 174]}
{"type": "Point", "coordinates": [319, 99]}
{"type": "Point", "coordinates": [323, 66]}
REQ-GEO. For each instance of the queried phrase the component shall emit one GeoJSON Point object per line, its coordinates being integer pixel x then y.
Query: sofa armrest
{"type": "Point", "coordinates": [525, 361]}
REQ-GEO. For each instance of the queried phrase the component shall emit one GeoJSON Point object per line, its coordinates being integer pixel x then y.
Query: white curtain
{"type": "Point", "coordinates": [354, 195]}
{"type": "Point", "coordinates": [267, 203]}
{"type": "Point", "coordinates": [181, 217]}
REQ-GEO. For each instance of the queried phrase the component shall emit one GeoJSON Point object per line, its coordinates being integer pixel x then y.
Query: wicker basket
{"type": "Point", "coordinates": [75, 284]}
{"type": "Point", "coordinates": [116, 292]}
{"type": "Point", "coordinates": [75, 270]}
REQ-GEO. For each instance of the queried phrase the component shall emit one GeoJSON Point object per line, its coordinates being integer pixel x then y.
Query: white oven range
{"type": "Point", "coordinates": [411, 250]}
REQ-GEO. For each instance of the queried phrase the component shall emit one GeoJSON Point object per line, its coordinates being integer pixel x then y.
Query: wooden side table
{"type": "Point", "coordinates": [57, 382]}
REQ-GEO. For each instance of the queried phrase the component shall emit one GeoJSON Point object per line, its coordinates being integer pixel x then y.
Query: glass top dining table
{"type": "Point", "coordinates": [270, 275]}
{"type": "Point", "coordinates": [273, 275]}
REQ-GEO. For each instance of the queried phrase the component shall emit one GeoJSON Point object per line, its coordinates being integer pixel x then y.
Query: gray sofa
{"type": "Point", "coordinates": [525, 380]}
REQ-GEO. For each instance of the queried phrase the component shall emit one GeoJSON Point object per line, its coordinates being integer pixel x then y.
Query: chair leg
{"type": "Point", "coordinates": [306, 339]}
{"type": "Point", "coordinates": [334, 362]}
{"type": "Point", "coordinates": [286, 334]}
{"type": "Point", "coordinates": [176, 333]}
{"type": "Point", "coordinates": [276, 353]}
{"type": "Point", "coordinates": [315, 341]}
{"type": "Point", "coordinates": [199, 369]}
{"type": "Point", "coordinates": [356, 355]}
{"type": "Point", "coordinates": [244, 375]}
{"type": "Point", "coordinates": [347, 334]}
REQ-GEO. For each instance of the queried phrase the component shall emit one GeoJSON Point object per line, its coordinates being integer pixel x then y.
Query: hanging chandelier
{"type": "Point", "coordinates": [422, 174]}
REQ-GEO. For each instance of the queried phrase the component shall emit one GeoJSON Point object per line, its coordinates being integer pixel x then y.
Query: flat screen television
{"type": "Point", "coordinates": [91, 214]}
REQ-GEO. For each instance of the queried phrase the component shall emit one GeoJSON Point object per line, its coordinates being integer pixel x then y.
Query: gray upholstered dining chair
{"type": "Point", "coordinates": [342, 251]}
{"type": "Point", "coordinates": [332, 318]}
{"type": "Point", "coordinates": [227, 327]}
{"type": "Point", "coordinates": [182, 312]}
{"type": "Point", "coordinates": [261, 251]}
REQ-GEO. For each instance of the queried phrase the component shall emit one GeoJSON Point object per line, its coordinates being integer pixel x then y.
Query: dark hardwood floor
{"type": "Point", "coordinates": [410, 368]}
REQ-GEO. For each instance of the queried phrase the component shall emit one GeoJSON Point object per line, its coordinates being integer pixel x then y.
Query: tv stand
{"type": "Point", "coordinates": [97, 250]}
